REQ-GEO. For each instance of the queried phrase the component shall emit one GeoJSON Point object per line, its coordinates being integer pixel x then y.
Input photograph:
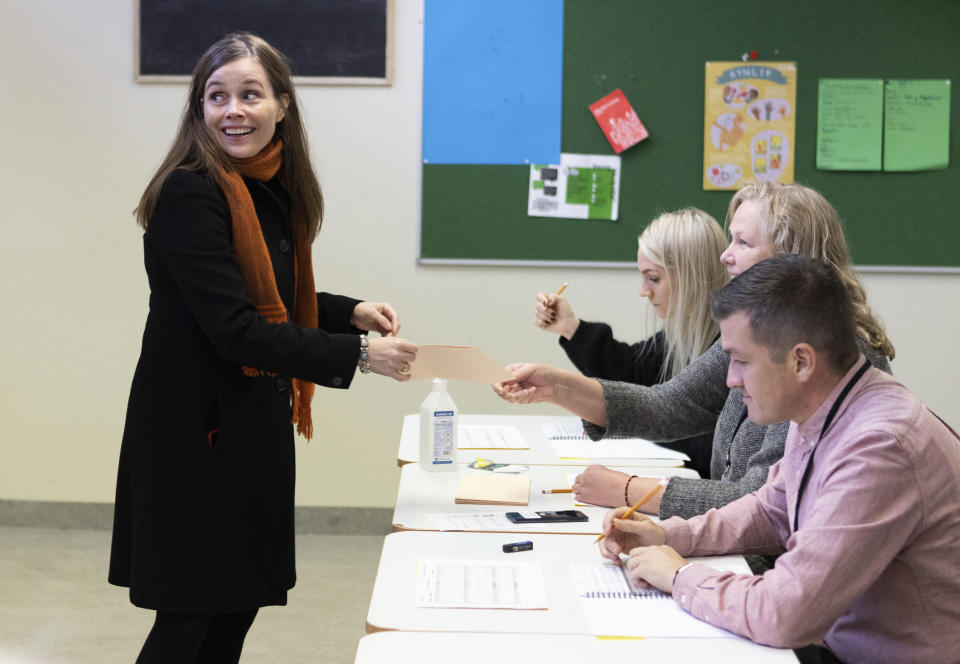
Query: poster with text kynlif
{"type": "Point", "coordinates": [749, 119]}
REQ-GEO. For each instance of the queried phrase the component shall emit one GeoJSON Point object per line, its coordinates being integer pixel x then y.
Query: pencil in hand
{"type": "Point", "coordinates": [560, 290]}
{"type": "Point", "coordinates": [636, 506]}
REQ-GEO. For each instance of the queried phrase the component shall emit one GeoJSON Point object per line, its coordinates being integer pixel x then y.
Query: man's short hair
{"type": "Point", "coordinates": [791, 299]}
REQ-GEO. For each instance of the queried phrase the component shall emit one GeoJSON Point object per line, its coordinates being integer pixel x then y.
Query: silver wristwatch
{"type": "Point", "coordinates": [364, 361]}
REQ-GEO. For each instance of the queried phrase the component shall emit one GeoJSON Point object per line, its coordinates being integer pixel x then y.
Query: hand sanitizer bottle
{"type": "Point", "coordinates": [438, 430]}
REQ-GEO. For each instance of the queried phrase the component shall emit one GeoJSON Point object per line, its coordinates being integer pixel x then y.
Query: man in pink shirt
{"type": "Point", "coordinates": [864, 507]}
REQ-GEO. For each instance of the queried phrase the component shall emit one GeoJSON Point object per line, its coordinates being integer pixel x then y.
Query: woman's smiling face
{"type": "Point", "coordinates": [240, 108]}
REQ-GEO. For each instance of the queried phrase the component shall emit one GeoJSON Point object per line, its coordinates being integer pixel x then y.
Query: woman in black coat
{"type": "Point", "coordinates": [235, 338]}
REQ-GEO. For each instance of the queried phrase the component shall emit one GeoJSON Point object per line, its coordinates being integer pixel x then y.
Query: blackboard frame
{"type": "Point", "coordinates": [299, 79]}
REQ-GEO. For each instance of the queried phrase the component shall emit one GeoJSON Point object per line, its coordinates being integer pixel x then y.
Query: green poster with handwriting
{"type": "Point", "coordinates": [850, 124]}
{"type": "Point", "coordinates": [916, 133]}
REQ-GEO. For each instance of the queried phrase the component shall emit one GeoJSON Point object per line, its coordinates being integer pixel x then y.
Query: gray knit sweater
{"type": "Point", "coordinates": [695, 401]}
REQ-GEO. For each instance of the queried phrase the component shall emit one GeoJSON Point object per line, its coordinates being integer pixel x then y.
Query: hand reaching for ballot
{"type": "Point", "coordinates": [531, 383]}
{"type": "Point", "coordinates": [554, 314]}
{"type": "Point", "coordinates": [376, 317]}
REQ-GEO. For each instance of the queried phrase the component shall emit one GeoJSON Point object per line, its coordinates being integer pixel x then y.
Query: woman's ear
{"type": "Point", "coordinates": [282, 108]}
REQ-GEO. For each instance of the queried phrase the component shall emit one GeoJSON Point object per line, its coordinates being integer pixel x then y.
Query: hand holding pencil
{"type": "Point", "coordinates": [554, 314]}
{"type": "Point", "coordinates": [625, 529]}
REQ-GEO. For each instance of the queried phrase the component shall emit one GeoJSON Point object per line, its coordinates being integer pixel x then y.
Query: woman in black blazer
{"type": "Point", "coordinates": [235, 338]}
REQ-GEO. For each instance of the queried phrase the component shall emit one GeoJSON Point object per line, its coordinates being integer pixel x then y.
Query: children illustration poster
{"type": "Point", "coordinates": [749, 119]}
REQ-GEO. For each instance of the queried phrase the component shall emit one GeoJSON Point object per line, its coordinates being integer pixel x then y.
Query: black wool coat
{"type": "Point", "coordinates": [203, 521]}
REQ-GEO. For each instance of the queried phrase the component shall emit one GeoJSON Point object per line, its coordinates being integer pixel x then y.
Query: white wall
{"type": "Point", "coordinates": [80, 140]}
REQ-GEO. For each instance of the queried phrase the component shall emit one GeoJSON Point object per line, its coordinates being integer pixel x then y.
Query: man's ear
{"type": "Point", "coordinates": [803, 361]}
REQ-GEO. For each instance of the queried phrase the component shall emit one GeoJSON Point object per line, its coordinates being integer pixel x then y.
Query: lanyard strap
{"type": "Point", "coordinates": [826, 424]}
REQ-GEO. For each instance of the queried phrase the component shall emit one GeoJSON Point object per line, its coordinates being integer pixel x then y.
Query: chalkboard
{"type": "Point", "coordinates": [327, 41]}
{"type": "Point", "coordinates": [655, 52]}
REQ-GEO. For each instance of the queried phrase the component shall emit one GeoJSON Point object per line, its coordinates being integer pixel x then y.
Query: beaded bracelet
{"type": "Point", "coordinates": [626, 490]}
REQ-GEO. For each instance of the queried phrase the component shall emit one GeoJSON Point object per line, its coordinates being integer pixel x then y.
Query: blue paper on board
{"type": "Point", "coordinates": [492, 81]}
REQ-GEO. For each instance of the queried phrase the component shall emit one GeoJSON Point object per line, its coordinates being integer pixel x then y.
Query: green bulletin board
{"type": "Point", "coordinates": [655, 52]}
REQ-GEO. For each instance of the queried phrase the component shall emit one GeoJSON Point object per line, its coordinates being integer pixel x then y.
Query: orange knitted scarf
{"type": "Point", "coordinates": [257, 268]}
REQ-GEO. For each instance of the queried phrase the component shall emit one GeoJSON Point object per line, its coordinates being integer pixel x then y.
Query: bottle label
{"type": "Point", "coordinates": [443, 423]}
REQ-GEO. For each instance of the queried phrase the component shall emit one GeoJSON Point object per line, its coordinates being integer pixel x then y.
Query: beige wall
{"type": "Point", "coordinates": [80, 140]}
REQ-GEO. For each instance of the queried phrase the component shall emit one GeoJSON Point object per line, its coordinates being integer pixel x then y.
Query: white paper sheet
{"type": "Point", "coordinates": [467, 521]}
{"type": "Point", "coordinates": [614, 448]}
{"type": "Point", "coordinates": [490, 437]}
{"type": "Point", "coordinates": [479, 584]}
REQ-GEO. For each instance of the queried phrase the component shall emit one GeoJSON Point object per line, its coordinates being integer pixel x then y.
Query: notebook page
{"type": "Point", "coordinates": [612, 610]}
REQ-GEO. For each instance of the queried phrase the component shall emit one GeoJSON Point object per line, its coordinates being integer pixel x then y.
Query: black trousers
{"type": "Point", "coordinates": [196, 639]}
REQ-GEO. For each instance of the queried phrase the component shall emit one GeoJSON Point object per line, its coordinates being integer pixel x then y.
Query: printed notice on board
{"type": "Point", "coordinates": [749, 111]}
{"type": "Point", "coordinates": [581, 186]}
{"type": "Point", "coordinates": [850, 124]}
{"type": "Point", "coordinates": [916, 132]}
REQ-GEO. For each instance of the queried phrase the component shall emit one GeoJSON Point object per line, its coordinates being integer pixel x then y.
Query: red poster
{"type": "Point", "coordinates": [618, 121]}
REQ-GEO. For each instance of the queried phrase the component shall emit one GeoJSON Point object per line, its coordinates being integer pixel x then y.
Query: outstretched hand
{"type": "Point", "coordinates": [531, 383]}
{"type": "Point", "coordinates": [376, 317]}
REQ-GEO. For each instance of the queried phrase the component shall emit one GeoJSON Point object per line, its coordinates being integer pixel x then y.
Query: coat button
{"type": "Point", "coordinates": [337, 382]}
{"type": "Point", "coordinates": [280, 384]}
{"type": "Point", "coordinates": [284, 246]}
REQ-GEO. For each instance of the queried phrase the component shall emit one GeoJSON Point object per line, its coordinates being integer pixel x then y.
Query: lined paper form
{"type": "Point", "coordinates": [490, 437]}
{"type": "Point", "coordinates": [467, 521]}
{"type": "Point", "coordinates": [479, 584]}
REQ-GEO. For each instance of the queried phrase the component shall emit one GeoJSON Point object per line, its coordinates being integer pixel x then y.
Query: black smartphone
{"type": "Point", "coordinates": [548, 516]}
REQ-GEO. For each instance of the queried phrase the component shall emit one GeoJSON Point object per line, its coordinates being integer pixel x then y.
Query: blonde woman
{"type": "Point", "coordinates": [677, 260]}
{"type": "Point", "coordinates": [764, 220]}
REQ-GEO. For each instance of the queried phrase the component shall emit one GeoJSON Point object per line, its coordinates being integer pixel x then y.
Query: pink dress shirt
{"type": "Point", "coordinates": [874, 570]}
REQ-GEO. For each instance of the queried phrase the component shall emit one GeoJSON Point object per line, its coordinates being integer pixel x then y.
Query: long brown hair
{"type": "Point", "coordinates": [195, 149]}
{"type": "Point", "coordinates": [799, 220]}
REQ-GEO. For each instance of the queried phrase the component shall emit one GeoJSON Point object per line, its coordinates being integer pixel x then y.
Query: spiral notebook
{"type": "Point", "coordinates": [564, 430]}
{"type": "Point", "coordinates": [614, 606]}
{"type": "Point", "coordinates": [609, 581]}
{"type": "Point", "coordinates": [569, 441]}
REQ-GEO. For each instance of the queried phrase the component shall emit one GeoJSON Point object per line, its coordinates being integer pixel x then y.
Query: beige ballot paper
{"type": "Point", "coordinates": [493, 490]}
{"type": "Point", "coordinates": [458, 363]}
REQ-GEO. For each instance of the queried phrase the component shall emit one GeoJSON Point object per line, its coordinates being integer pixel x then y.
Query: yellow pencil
{"type": "Point", "coordinates": [562, 288]}
{"type": "Point", "coordinates": [557, 491]}
{"type": "Point", "coordinates": [636, 506]}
